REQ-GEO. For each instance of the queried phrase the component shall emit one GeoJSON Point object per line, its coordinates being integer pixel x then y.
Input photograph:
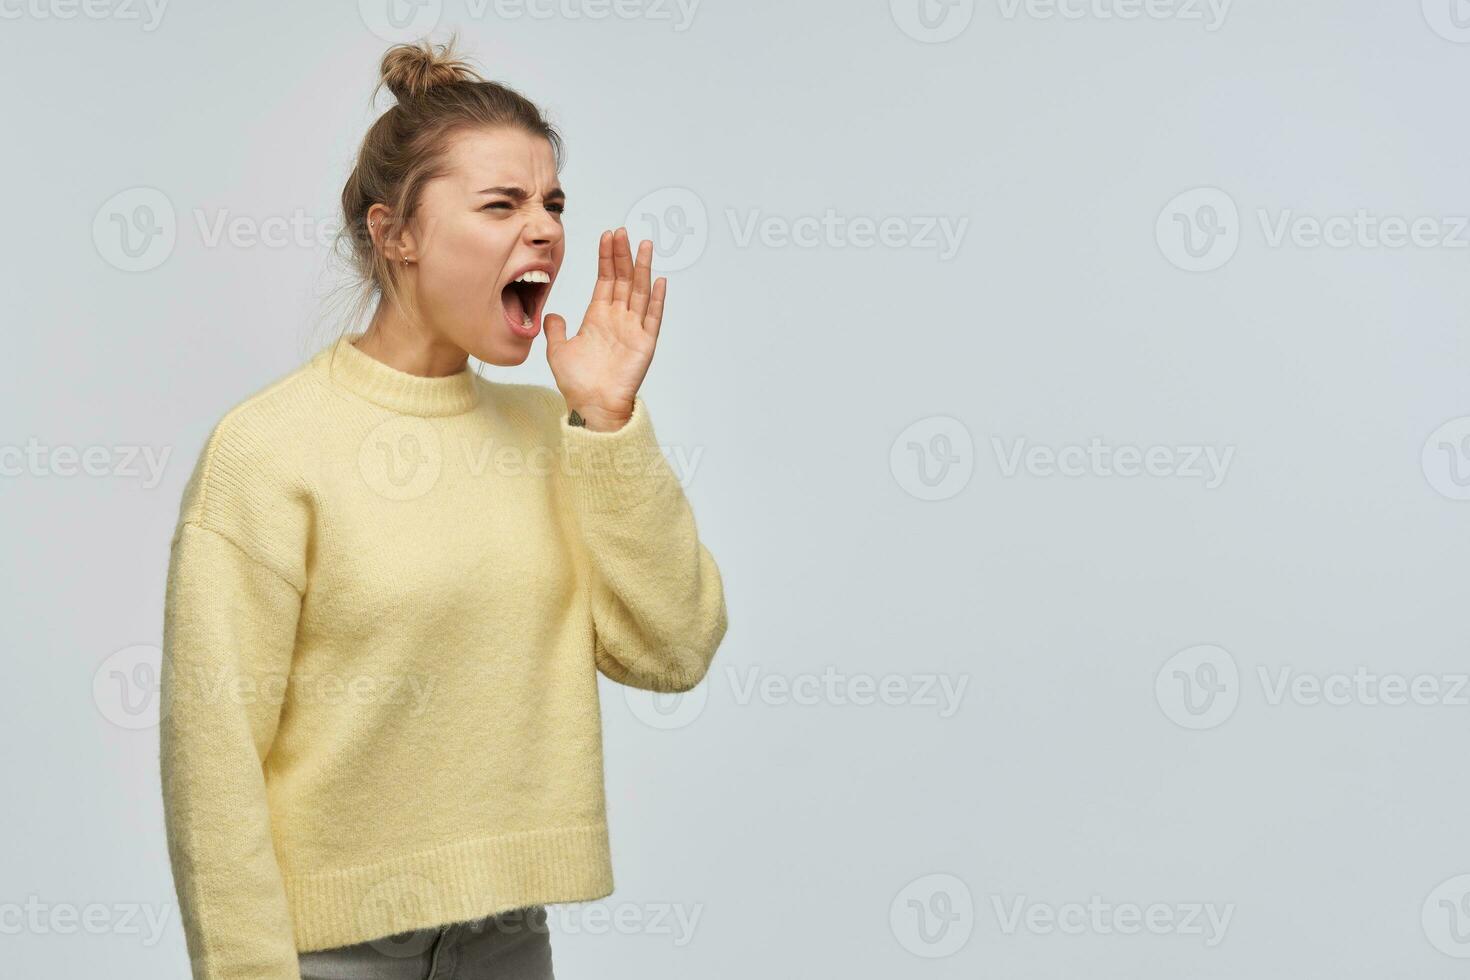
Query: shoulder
{"type": "Point", "coordinates": [249, 482]}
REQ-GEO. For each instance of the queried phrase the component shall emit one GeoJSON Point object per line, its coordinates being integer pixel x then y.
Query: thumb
{"type": "Point", "coordinates": [556, 330]}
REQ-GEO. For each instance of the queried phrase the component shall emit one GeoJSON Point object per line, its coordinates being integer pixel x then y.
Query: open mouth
{"type": "Point", "coordinates": [523, 300]}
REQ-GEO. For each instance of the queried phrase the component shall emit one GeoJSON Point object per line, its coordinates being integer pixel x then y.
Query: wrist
{"type": "Point", "coordinates": [597, 419]}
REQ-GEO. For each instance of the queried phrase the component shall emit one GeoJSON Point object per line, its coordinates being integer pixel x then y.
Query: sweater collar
{"type": "Point", "coordinates": [405, 393]}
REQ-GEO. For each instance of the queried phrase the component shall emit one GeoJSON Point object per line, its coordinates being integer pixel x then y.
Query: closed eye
{"type": "Point", "coordinates": [556, 207]}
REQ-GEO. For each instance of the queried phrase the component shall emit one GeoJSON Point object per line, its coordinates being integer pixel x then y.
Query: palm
{"type": "Point", "coordinates": [600, 370]}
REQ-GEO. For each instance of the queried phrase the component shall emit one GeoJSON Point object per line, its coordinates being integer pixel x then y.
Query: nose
{"type": "Point", "coordinates": [543, 230]}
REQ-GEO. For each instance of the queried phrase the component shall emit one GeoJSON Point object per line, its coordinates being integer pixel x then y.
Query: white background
{"type": "Point", "coordinates": [851, 405]}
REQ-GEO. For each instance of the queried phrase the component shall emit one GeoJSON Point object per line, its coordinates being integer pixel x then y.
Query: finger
{"type": "Point", "coordinates": [642, 269]}
{"type": "Point", "coordinates": [556, 330]}
{"type": "Point", "coordinates": [622, 268]}
{"type": "Point", "coordinates": [603, 291]}
{"type": "Point", "coordinates": [654, 318]}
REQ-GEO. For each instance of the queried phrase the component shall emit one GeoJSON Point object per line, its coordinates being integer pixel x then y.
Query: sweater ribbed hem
{"type": "Point", "coordinates": [453, 883]}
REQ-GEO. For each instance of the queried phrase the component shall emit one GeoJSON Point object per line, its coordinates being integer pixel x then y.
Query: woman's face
{"type": "Point", "coordinates": [495, 216]}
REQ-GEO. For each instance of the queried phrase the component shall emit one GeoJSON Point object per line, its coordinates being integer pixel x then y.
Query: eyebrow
{"type": "Point", "coordinates": [520, 194]}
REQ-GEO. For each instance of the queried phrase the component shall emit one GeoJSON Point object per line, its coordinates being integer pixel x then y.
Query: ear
{"type": "Point", "coordinates": [393, 243]}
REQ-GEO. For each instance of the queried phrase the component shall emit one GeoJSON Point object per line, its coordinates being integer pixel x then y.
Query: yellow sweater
{"type": "Point", "coordinates": [388, 600]}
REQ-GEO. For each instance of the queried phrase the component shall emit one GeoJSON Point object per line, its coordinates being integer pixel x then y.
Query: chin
{"type": "Point", "coordinates": [503, 356]}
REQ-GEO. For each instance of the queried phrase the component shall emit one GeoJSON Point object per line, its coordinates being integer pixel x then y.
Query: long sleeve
{"type": "Point", "coordinates": [658, 601]}
{"type": "Point", "coordinates": [230, 615]}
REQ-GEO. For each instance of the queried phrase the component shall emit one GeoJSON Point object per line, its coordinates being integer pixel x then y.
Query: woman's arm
{"type": "Point", "coordinates": [230, 615]}
{"type": "Point", "coordinates": [658, 602]}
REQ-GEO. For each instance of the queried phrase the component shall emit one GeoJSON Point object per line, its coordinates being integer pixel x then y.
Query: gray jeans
{"type": "Point", "coordinates": [514, 945]}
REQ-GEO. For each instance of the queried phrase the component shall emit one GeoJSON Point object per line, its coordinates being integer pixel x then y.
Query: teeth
{"type": "Point", "coordinates": [535, 275]}
{"type": "Point", "coordinates": [526, 322]}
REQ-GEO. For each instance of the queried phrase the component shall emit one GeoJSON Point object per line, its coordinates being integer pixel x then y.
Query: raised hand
{"type": "Point", "coordinates": [600, 369]}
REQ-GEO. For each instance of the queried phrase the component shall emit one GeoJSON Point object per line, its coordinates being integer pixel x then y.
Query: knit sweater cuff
{"type": "Point", "coordinates": [616, 470]}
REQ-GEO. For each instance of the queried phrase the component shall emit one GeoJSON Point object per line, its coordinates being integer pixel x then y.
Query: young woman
{"type": "Point", "coordinates": [393, 583]}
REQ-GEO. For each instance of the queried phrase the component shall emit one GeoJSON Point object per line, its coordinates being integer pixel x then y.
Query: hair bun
{"type": "Point", "coordinates": [411, 70]}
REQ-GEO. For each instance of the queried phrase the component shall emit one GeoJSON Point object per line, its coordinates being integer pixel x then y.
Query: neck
{"type": "Point", "coordinates": [394, 343]}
